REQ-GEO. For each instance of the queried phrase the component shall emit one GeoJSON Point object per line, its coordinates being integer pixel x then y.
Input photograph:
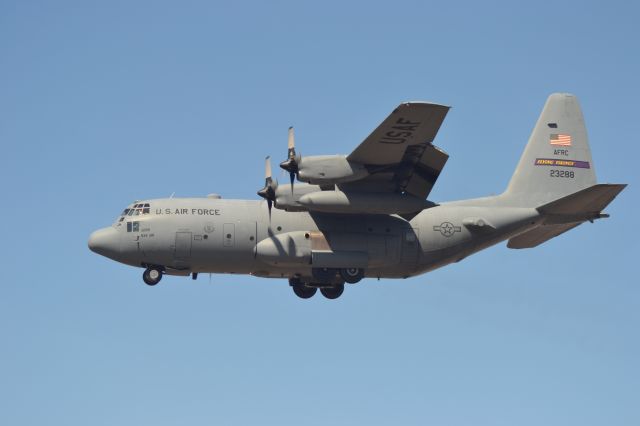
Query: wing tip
{"type": "Point", "coordinates": [424, 103]}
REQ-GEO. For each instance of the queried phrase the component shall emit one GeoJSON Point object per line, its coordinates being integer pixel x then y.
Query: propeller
{"type": "Point", "coordinates": [291, 163]}
{"type": "Point", "coordinates": [270, 186]}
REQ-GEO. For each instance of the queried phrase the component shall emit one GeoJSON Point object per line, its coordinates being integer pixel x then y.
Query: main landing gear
{"type": "Point", "coordinates": [332, 292]}
{"type": "Point", "coordinates": [152, 275]}
{"type": "Point", "coordinates": [305, 290]}
{"type": "Point", "coordinates": [352, 275]}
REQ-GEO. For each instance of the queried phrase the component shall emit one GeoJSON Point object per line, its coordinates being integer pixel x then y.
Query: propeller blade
{"type": "Point", "coordinates": [291, 163]}
{"type": "Point", "coordinates": [291, 143]}
{"type": "Point", "coordinates": [269, 190]}
{"type": "Point", "coordinates": [267, 167]}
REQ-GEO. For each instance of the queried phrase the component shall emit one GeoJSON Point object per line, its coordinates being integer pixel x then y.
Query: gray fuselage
{"type": "Point", "coordinates": [187, 235]}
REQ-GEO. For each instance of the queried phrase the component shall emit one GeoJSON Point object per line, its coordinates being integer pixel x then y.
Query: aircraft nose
{"type": "Point", "coordinates": [105, 241]}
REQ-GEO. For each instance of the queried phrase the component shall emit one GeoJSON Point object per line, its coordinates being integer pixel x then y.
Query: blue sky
{"type": "Point", "coordinates": [102, 103]}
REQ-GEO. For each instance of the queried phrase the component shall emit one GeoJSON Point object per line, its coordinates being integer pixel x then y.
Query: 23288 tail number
{"type": "Point", "coordinates": [562, 173]}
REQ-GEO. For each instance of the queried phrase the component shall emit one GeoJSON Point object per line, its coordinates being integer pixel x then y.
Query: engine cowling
{"type": "Point", "coordinates": [329, 169]}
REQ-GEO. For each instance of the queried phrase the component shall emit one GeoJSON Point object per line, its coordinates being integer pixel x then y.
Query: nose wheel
{"type": "Point", "coordinates": [152, 275]}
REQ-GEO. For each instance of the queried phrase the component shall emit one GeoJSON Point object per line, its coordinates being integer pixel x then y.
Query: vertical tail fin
{"type": "Point", "coordinates": [557, 160]}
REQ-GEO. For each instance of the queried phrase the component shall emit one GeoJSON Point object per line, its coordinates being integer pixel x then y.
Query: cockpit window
{"type": "Point", "coordinates": [135, 210]}
{"type": "Point", "coordinates": [138, 209]}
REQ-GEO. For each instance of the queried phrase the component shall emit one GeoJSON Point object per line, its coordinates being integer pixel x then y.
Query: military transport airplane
{"type": "Point", "coordinates": [366, 214]}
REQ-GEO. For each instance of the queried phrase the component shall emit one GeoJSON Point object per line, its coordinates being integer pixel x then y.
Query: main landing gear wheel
{"type": "Point", "coordinates": [304, 292]}
{"type": "Point", "coordinates": [300, 289]}
{"type": "Point", "coordinates": [152, 275]}
{"type": "Point", "coordinates": [332, 292]}
{"type": "Point", "coordinates": [352, 275]}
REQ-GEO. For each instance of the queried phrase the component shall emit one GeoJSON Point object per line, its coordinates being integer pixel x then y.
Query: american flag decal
{"type": "Point", "coordinates": [560, 139]}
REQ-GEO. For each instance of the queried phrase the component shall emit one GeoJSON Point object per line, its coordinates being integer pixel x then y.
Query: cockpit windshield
{"type": "Point", "coordinates": [135, 210]}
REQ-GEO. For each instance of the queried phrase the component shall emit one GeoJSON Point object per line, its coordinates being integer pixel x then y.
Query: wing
{"type": "Point", "coordinates": [399, 153]}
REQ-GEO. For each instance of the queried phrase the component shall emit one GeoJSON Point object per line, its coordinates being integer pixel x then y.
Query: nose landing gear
{"type": "Point", "coordinates": [152, 275]}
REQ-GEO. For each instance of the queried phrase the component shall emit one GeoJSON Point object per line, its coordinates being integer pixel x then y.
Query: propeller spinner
{"type": "Point", "coordinates": [291, 163]}
{"type": "Point", "coordinates": [270, 186]}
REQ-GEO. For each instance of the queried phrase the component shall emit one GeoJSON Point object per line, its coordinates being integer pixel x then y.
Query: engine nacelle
{"type": "Point", "coordinates": [329, 169]}
{"type": "Point", "coordinates": [286, 199]}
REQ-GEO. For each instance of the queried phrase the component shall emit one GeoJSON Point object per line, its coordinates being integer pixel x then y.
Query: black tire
{"type": "Point", "coordinates": [332, 292]}
{"type": "Point", "coordinates": [304, 292]}
{"type": "Point", "coordinates": [352, 275]}
{"type": "Point", "coordinates": [152, 275]}
{"type": "Point", "coordinates": [295, 281]}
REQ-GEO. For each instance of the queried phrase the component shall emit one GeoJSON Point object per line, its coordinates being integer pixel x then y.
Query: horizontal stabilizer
{"type": "Point", "coordinates": [582, 205]}
{"type": "Point", "coordinates": [568, 212]}
{"type": "Point", "coordinates": [539, 235]}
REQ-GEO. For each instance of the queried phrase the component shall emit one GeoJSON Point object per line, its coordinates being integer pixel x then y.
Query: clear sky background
{"type": "Point", "coordinates": [102, 103]}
